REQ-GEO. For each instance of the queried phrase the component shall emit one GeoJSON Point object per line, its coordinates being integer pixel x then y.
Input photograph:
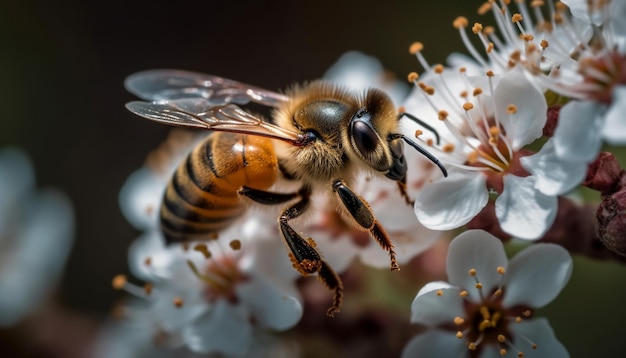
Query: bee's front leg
{"type": "Point", "coordinates": [363, 215]}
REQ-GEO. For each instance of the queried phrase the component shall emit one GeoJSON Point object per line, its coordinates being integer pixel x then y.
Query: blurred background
{"type": "Point", "coordinates": [62, 65]}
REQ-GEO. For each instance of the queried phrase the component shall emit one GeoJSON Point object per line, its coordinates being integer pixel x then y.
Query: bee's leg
{"type": "Point", "coordinates": [304, 257]}
{"type": "Point", "coordinates": [402, 187]}
{"type": "Point", "coordinates": [363, 215]}
{"type": "Point", "coordinates": [267, 197]}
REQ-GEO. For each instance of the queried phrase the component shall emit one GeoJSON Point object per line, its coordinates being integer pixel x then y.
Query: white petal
{"type": "Point", "coordinates": [140, 198]}
{"type": "Point", "coordinates": [527, 124]}
{"type": "Point", "coordinates": [430, 309]}
{"type": "Point", "coordinates": [479, 250]}
{"type": "Point", "coordinates": [614, 130]}
{"type": "Point", "coordinates": [537, 331]}
{"type": "Point", "coordinates": [16, 179]}
{"type": "Point", "coordinates": [578, 135]}
{"type": "Point", "coordinates": [524, 211]}
{"type": "Point", "coordinates": [225, 329]}
{"type": "Point", "coordinates": [37, 255]}
{"type": "Point", "coordinates": [554, 176]}
{"type": "Point", "coordinates": [536, 275]}
{"type": "Point", "coordinates": [451, 202]}
{"type": "Point", "coordinates": [434, 343]}
{"type": "Point", "coordinates": [268, 305]}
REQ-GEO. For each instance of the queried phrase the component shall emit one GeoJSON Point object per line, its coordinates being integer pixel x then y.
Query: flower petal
{"type": "Point", "coordinates": [17, 177]}
{"type": "Point", "coordinates": [225, 329]}
{"type": "Point", "coordinates": [479, 250]}
{"type": "Point", "coordinates": [578, 134]}
{"type": "Point", "coordinates": [140, 198]}
{"type": "Point", "coordinates": [539, 332]}
{"type": "Point", "coordinates": [434, 343]}
{"type": "Point", "coordinates": [268, 305]}
{"type": "Point", "coordinates": [524, 211]}
{"type": "Point", "coordinates": [614, 130]}
{"type": "Point", "coordinates": [451, 202]}
{"type": "Point", "coordinates": [536, 275]}
{"type": "Point", "coordinates": [437, 303]}
{"type": "Point", "coordinates": [527, 124]}
{"type": "Point", "coordinates": [554, 176]}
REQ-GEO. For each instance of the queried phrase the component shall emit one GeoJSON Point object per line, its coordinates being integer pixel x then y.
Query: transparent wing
{"type": "Point", "coordinates": [159, 85]}
{"type": "Point", "coordinates": [202, 113]}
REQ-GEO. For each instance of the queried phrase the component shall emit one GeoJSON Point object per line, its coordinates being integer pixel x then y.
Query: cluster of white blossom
{"type": "Point", "coordinates": [491, 115]}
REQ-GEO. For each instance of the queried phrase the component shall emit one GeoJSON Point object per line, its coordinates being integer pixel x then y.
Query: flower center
{"type": "Point", "coordinates": [602, 73]}
{"type": "Point", "coordinates": [488, 322]}
{"type": "Point", "coordinates": [221, 274]}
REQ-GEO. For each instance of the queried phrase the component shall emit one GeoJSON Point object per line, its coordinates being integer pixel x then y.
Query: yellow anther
{"type": "Point", "coordinates": [490, 47]}
{"type": "Point", "coordinates": [459, 334]}
{"type": "Point", "coordinates": [459, 320]}
{"type": "Point", "coordinates": [448, 148]}
{"type": "Point", "coordinates": [520, 354]}
{"type": "Point", "coordinates": [463, 294]}
{"type": "Point", "coordinates": [418, 132]}
{"type": "Point", "coordinates": [501, 270]}
{"type": "Point", "coordinates": [490, 73]}
{"type": "Point", "coordinates": [203, 249]}
{"type": "Point", "coordinates": [148, 261]}
{"type": "Point", "coordinates": [478, 285]}
{"type": "Point", "coordinates": [442, 114]}
{"type": "Point", "coordinates": [533, 346]}
{"type": "Point", "coordinates": [502, 352]}
{"type": "Point", "coordinates": [416, 47]}
{"type": "Point", "coordinates": [471, 346]}
{"type": "Point", "coordinates": [527, 313]}
{"type": "Point", "coordinates": [439, 293]}
{"type": "Point", "coordinates": [477, 91]}
{"type": "Point", "coordinates": [468, 106]}
{"type": "Point", "coordinates": [517, 17]}
{"type": "Point", "coordinates": [438, 69]}
{"type": "Point", "coordinates": [178, 302]}
{"type": "Point", "coordinates": [544, 44]}
{"type": "Point", "coordinates": [462, 70]}
{"type": "Point", "coordinates": [494, 132]}
{"type": "Point", "coordinates": [147, 288]}
{"type": "Point", "coordinates": [119, 281]}
{"type": "Point", "coordinates": [484, 8]}
{"type": "Point", "coordinates": [511, 109]}
{"type": "Point", "coordinates": [412, 77]}
{"type": "Point", "coordinates": [498, 292]}
{"type": "Point", "coordinates": [235, 245]}
{"type": "Point", "coordinates": [429, 90]}
{"type": "Point", "coordinates": [429, 142]}
{"type": "Point", "coordinates": [527, 37]}
{"type": "Point", "coordinates": [477, 28]}
{"type": "Point", "coordinates": [463, 94]}
{"type": "Point", "coordinates": [489, 30]}
{"type": "Point", "coordinates": [484, 325]}
{"type": "Point", "coordinates": [518, 319]}
{"type": "Point", "coordinates": [472, 157]}
{"type": "Point", "coordinates": [460, 22]}
{"type": "Point", "coordinates": [501, 338]}
{"type": "Point", "coordinates": [472, 272]}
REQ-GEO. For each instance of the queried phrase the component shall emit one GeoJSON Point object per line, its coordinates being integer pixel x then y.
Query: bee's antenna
{"type": "Point", "coordinates": [420, 122]}
{"type": "Point", "coordinates": [420, 149]}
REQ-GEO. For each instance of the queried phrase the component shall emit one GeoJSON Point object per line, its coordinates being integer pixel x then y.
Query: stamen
{"type": "Point", "coordinates": [235, 245]}
{"type": "Point", "coordinates": [203, 249]}
{"type": "Point", "coordinates": [148, 261]}
{"type": "Point", "coordinates": [178, 302]}
{"type": "Point", "coordinates": [459, 334]}
{"type": "Point", "coordinates": [416, 49]}
{"type": "Point", "coordinates": [463, 294]}
{"type": "Point", "coordinates": [439, 293]}
{"type": "Point", "coordinates": [459, 320]}
{"type": "Point", "coordinates": [501, 270]}
{"type": "Point", "coordinates": [461, 23]}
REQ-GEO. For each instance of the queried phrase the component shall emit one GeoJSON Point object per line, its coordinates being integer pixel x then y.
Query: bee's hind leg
{"type": "Point", "coordinates": [304, 256]}
{"type": "Point", "coordinates": [363, 215]}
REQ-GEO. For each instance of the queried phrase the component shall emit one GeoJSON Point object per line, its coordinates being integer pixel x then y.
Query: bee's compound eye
{"type": "Point", "coordinates": [364, 137]}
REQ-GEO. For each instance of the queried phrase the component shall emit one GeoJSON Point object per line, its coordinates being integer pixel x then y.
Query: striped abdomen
{"type": "Point", "coordinates": [201, 197]}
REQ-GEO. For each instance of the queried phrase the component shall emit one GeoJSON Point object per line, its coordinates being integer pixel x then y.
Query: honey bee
{"type": "Point", "coordinates": [321, 135]}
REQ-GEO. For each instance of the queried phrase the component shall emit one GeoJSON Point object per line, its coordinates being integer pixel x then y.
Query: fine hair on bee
{"type": "Point", "coordinates": [321, 136]}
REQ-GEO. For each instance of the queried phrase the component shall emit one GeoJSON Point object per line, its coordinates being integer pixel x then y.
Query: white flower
{"type": "Point", "coordinates": [581, 57]}
{"type": "Point", "coordinates": [486, 309]}
{"type": "Point", "coordinates": [36, 234]}
{"type": "Point", "coordinates": [484, 138]}
{"type": "Point", "coordinates": [216, 296]}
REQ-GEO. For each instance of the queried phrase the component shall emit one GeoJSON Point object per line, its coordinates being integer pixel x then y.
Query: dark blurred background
{"type": "Point", "coordinates": [62, 65]}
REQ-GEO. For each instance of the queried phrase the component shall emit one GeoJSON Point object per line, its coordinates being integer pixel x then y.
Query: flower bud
{"type": "Point", "coordinates": [611, 222]}
{"type": "Point", "coordinates": [604, 174]}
